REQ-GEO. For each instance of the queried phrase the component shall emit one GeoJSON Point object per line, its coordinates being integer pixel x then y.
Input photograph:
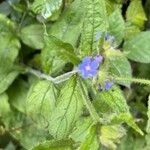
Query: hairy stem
{"type": "Point", "coordinates": [135, 80]}
{"type": "Point", "coordinates": [56, 80]}
{"type": "Point", "coordinates": [89, 105]}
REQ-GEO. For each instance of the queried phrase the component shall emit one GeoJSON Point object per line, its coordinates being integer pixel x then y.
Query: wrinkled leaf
{"type": "Point", "coordinates": [67, 111]}
{"type": "Point", "coordinates": [40, 102]}
{"type": "Point", "coordinates": [95, 20]}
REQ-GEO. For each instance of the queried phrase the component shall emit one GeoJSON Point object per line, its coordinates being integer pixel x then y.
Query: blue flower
{"type": "Point", "coordinates": [89, 67]}
{"type": "Point", "coordinates": [98, 58]}
{"type": "Point", "coordinates": [107, 86]}
{"type": "Point", "coordinates": [107, 37]}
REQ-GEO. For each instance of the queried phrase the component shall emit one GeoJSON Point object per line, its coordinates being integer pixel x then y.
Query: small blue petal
{"type": "Point", "coordinates": [81, 67]}
{"type": "Point", "coordinates": [98, 58]}
{"type": "Point", "coordinates": [108, 85]}
{"type": "Point", "coordinates": [93, 72]}
{"type": "Point", "coordinates": [86, 60]}
{"type": "Point", "coordinates": [94, 64]}
{"type": "Point", "coordinates": [106, 37]}
{"type": "Point", "coordinates": [98, 35]}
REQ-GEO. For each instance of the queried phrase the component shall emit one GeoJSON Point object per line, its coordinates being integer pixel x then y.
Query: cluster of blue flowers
{"type": "Point", "coordinates": [89, 68]}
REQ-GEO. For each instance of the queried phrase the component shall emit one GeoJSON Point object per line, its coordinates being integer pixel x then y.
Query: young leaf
{"type": "Point", "coordinates": [48, 9]}
{"type": "Point", "coordinates": [67, 111]}
{"type": "Point", "coordinates": [110, 135]}
{"type": "Point", "coordinates": [33, 36]}
{"type": "Point", "coordinates": [55, 50]}
{"type": "Point", "coordinates": [40, 102]}
{"type": "Point", "coordinates": [95, 20]}
{"type": "Point", "coordinates": [137, 47]}
{"type": "Point", "coordinates": [135, 13]}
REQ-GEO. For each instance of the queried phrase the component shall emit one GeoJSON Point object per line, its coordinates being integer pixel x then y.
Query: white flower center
{"type": "Point", "coordinates": [88, 68]}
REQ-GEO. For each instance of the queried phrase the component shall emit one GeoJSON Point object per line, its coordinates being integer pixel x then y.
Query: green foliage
{"type": "Point", "coordinates": [117, 26]}
{"type": "Point", "coordinates": [32, 36]}
{"type": "Point", "coordinates": [95, 20]}
{"type": "Point", "coordinates": [68, 109]}
{"type": "Point", "coordinates": [44, 102]}
{"type": "Point", "coordinates": [55, 145]}
{"type": "Point", "coordinates": [135, 13]}
{"type": "Point", "coordinates": [137, 47]}
{"type": "Point", "coordinates": [110, 134]}
{"type": "Point", "coordinates": [48, 9]}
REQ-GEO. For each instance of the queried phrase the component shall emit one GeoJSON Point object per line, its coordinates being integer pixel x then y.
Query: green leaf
{"type": "Point", "coordinates": [130, 142]}
{"type": "Point", "coordinates": [130, 30]}
{"type": "Point", "coordinates": [81, 129]}
{"type": "Point", "coordinates": [48, 9]}
{"type": "Point", "coordinates": [137, 47]}
{"type": "Point", "coordinates": [17, 94]}
{"type": "Point", "coordinates": [41, 101]}
{"type": "Point", "coordinates": [55, 50]}
{"type": "Point", "coordinates": [135, 13]}
{"type": "Point", "coordinates": [55, 145]}
{"type": "Point", "coordinates": [91, 141]}
{"type": "Point", "coordinates": [69, 25]}
{"type": "Point", "coordinates": [110, 135]}
{"type": "Point", "coordinates": [8, 53]}
{"type": "Point", "coordinates": [128, 119]}
{"type": "Point", "coordinates": [67, 111]}
{"type": "Point", "coordinates": [111, 101]}
{"type": "Point", "coordinates": [120, 66]}
{"type": "Point", "coordinates": [7, 27]}
{"type": "Point", "coordinates": [5, 8]}
{"type": "Point", "coordinates": [117, 26]}
{"type": "Point", "coordinates": [95, 20]}
{"type": "Point", "coordinates": [24, 130]}
{"type": "Point", "coordinates": [7, 76]}
{"type": "Point", "coordinates": [112, 6]}
{"type": "Point", "coordinates": [4, 106]}
{"type": "Point", "coordinates": [33, 36]}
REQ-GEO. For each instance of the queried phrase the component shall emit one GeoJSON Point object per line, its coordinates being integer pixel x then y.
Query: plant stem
{"type": "Point", "coordinates": [136, 80]}
{"type": "Point", "coordinates": [56, 80]}
{"type": "Point", "coordinates": [89, 105]}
